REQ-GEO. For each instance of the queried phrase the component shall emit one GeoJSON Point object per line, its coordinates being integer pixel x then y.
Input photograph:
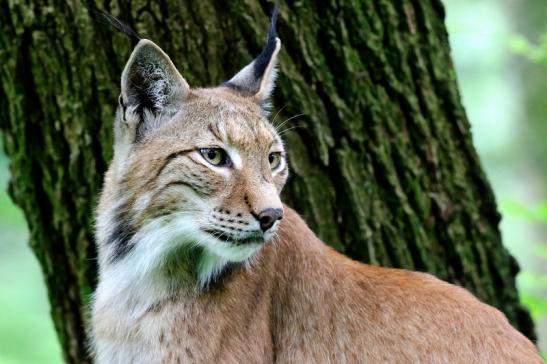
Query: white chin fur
{"type": "Point", "coordinates": [135, 276]}
{"type": "Point", "coordinates": [157, 238]}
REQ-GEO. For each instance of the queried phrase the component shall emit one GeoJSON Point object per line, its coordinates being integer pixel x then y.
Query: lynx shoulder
{"type": "Point", "coordinates": [200, 262]}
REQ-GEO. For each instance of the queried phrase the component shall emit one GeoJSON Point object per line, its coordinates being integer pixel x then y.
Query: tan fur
{"type": "Point", "coordinates": [293, 300]}
{"type": "Point", "coordinates": [301, 302]}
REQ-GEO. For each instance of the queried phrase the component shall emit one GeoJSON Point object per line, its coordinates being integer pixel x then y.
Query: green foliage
{"type": "Point", "coordinates": [536, 213]}
{"type": "Point", "coordinates": [532, 285]}
{"type": "Point", "coordinates": [536, 303]}
{"type": "Point", "coordinates": [536, 53]}
{"type": "Point", "coordinates": [542, 251]}
{"type": "Point", "coordinates": [26, 330]}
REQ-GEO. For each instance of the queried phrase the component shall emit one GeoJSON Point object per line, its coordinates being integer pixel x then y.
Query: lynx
{"type": "Point", "coordinates": [200, 262]}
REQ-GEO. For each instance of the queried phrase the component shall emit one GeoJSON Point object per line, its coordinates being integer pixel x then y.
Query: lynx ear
{"type": "Point", "coordinates": [152, 88]}
{"type": "Point", "coordinates": [257, 79]}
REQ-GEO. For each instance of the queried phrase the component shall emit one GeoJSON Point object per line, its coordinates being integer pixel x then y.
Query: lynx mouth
{"type": "Point", "coordinates": [230, 238]}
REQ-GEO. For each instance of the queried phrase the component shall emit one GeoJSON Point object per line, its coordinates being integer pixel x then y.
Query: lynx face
{"type": "Point", "coordinates": [196, 176]}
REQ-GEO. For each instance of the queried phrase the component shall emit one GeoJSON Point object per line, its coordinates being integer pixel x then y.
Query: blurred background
{"type": "Point", "coordinates": [500, 53]}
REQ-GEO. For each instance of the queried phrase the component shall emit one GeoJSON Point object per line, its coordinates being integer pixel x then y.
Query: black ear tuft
{"type": "Point", "coordinates": [257, 78]}
{"type": "Point", "coordinates": [107, 19]}
{"type": "Point", "coordinates": [264, 58]}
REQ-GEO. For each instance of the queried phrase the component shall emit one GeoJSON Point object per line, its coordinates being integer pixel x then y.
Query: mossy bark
{"type": "Point", "coordinates": [383, 166]}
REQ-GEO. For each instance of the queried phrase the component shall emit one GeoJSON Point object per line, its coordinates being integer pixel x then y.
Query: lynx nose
{"type": "Point", "coordinates": [268, 217]}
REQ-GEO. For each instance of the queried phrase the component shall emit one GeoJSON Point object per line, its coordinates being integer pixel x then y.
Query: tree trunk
{"type": "Point", "coordinates": [383, 167]}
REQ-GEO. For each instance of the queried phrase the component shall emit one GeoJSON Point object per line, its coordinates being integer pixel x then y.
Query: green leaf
{"type": "Point", "coordinates": [528, 279]}
{"type": "Point", "coordinates": [516, 208]}
{"type": "Point", "coordinates": [542, 211]}
{"type": "Point", "coordinates": [519, 44]}
{"type": "Point", "coordinates": [535, 303]}
{"type": "Point", "coordinates": [541, 250]}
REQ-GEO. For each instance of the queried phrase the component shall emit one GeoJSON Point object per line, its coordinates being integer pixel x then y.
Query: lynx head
{"type": "Point", "coordinates": [196, 174]}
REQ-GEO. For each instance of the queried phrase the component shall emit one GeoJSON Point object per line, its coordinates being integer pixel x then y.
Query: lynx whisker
{"type": "Point", "coordinates": [287, 120]}
{"type": "Point", "coordinates": [284, 131]}
{"type": "Point", "coordinates": [277, 113]}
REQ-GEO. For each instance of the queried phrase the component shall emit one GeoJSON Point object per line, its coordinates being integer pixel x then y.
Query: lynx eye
{"type": "Point", "coordinates": [275, 160]}
{"type": "Point", "coordinates": [216, 156]}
